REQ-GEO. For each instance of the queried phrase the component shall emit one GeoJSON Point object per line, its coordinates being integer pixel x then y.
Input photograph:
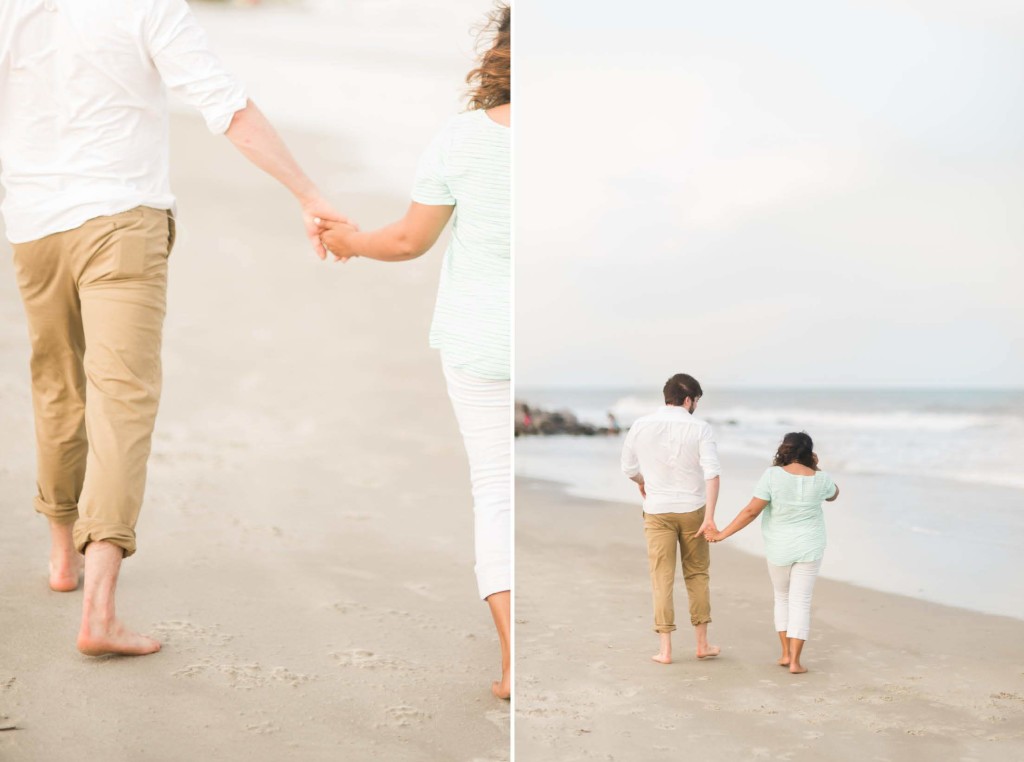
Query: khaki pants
{"type": "Point", "coordinates": [95, 299]}
{"type": "Point", "coordinates": [664, 531]}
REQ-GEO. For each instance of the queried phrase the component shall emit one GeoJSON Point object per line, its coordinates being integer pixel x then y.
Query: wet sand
{"type": "Point", "coordinates": [305, 548]}
{"type": "Point", "coordinates": [890, 677]}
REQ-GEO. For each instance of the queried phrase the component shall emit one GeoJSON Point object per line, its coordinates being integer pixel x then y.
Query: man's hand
{"type": "Point", "coordinates": [643, 490]}
{"type": "Point", "coordinates": [706, 527]}
{"type": "Point", "coordinates": [315, 211]}
{"type": "Point", "coordinates": [713, 536]}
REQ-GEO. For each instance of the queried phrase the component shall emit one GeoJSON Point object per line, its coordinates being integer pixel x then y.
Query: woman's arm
{"type": "Point", "coordinates": [834, 495]}
{"type": "Point", "coordinates": [744, 517]}
{"type": "Point", "coordinates": [410, 237]}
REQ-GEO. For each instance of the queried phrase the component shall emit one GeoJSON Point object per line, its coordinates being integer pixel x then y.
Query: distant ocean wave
{"type": "Point", "coordinates": [964, 436]}
{"type": "Point", "coordinates": [629, 408]}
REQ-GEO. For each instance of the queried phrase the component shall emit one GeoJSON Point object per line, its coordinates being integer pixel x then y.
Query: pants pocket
{"type": "Point", "coordinates": [126, 247]}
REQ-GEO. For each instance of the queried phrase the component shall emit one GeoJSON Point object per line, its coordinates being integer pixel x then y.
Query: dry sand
{"type": "Point", "coordinates": [305, 549]}
{"type": "Point", "coordinates": [891, 677]}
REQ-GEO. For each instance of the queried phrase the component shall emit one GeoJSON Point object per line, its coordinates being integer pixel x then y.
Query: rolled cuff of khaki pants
{"type": "Point", "coordinates": [663, 628]}
{"type": "Point", "coordinates": [61, 514]}
{"type": "Point", "coordinates": [91, 530]}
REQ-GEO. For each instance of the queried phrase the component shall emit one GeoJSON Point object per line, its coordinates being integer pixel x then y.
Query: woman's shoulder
{"type": "Point", "coordinates": [471, 131]}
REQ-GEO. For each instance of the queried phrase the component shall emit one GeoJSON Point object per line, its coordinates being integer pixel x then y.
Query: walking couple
{"type": "Point", "coordinates": [672, 455]}
{"type": "Point", "coordinates": [84, 144]}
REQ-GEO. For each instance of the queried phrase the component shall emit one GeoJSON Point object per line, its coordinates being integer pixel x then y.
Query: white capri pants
{"type": "Point", "coordinates": [483, 408]}
{"type": "Point", "coordinates": [794, 586]}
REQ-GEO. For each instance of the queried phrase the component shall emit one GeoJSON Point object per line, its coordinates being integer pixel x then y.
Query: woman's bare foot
{"type": "Point", "coordinates": [796, 647]}
{"type": "Point", "coordinates": [501, 611]}
{"type": "Point", "coordinates": [65, 563]}
{"type": "Point", "coordinates": [709, 652]}
{"type": "Point", "coordinates": [784, 642]}
{"type": "Point", "coordinates": [114, 638]}
{"type": "Point", "coordinates": [501, 689]}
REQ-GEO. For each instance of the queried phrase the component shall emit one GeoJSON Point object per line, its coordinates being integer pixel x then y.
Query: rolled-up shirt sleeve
{"type": "Point", "coordinates": [181, 53]}
{"type": "Point", "coordinates": [630, 463]}
{"type": "Point", "coordinates": [709, 454]}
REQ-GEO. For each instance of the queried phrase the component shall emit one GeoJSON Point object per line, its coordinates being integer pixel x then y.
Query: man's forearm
{"type": "Point", "coordinates": [712, 498]}
{"type": "Point", "coordinates": [638, 478]}
{"type": "Point", "coordinates": [260, 143]}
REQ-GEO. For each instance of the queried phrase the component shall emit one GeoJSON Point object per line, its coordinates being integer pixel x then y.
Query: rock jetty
{"type": "Point", "coordinates": [532, 420]}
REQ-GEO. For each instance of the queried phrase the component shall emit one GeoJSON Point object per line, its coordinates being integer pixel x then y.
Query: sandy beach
{"type": "Point", "coordinates": [305, 548]}
{"type": "Point", "coordinates": [890, 677]}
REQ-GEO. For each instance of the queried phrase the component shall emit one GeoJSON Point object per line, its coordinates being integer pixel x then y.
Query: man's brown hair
{"type": "Point", "coordinates": [681, 386]}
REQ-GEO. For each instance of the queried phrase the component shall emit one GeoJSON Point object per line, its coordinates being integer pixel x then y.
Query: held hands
{"type": "Point", "coordinates": [714, 536]}
{"type": "Point", "coordinates": [314, 210]}
{"type": "Point", "coordinates": [707, 529]}
{"type": "Point", "coordinates": [336, 238]}
{"type": "Point", "coordinates": [315, 213]}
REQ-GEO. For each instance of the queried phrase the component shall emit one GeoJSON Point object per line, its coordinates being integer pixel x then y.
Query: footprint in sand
{"type": "Point", "coordinates": [404, 716]}
{"type": "Point", "coordinates": [498, 718]}
{"type": "Point", "coordinates": [421, 589]}
{"type": "Point", "coordinates": [245, 676]}
{"type": "Point", "coordinates": [345, 607]}
{"type": "Point", "coordinates": [362, 658]}
{"type": "Point", "coordinates": [184, 634]}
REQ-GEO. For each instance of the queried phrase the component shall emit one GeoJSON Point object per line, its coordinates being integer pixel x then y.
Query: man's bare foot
{"type": "Point", "coordinates": [501, 689]}
{"type": "Point", "coordinates": [65, 563]}
{"type": "Point", "coordinates": [797, 669]}
{"type": "Point", "coordinates": [115, 638]}
{"type": "Point", "coordinates": [65, 574]}
{"type": "Point", "coordinates": [662, 658]}
{"type": "Point", "coordinates": [709, 652]}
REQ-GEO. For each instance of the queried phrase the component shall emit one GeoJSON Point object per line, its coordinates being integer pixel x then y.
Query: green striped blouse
{"type": "Point", "coordinates": [793, 523]}
{"type": "Point", "coordinates": [468, 166]}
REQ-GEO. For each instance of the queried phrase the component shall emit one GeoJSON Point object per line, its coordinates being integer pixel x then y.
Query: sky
{"type": "Point", "coordinates": [784, 194]}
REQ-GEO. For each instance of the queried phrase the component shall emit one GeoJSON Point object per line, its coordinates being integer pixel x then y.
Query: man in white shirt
{"type": "Point", "coordinates": [672, 456]}
{"type": "Point", "coordinates": [84, 147]}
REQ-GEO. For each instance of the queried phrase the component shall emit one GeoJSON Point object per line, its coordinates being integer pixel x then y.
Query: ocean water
{"type": "Point", "coordinates": [964, 435]}
{"type": "Point", "coordinates": [932, 501]}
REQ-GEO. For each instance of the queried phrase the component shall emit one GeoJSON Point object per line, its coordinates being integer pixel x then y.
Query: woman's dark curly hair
{"type": "Point", "coordinates": [796, 447]}
{"type": "Point", "coordinates": [491, 81]}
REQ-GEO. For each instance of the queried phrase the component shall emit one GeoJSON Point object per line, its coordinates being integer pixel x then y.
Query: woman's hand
{"type": "Point", "coordinates": [712, 535]}
{"type": "Point", "coordinates": [315, 210]}
{"type": "Point", "coordinates": [336, 238]}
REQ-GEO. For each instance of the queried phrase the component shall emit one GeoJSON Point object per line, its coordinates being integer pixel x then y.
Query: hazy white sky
{"type": "Point", "coordinates": [789, 193]}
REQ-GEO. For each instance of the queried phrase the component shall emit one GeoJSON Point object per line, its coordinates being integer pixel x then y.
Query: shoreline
{"type": "Point", "coordinates": [885, 533]}
{"type": "Point", "coordinates": [888, 679]}
{"type": "Point", "coordinates": [564, 489]}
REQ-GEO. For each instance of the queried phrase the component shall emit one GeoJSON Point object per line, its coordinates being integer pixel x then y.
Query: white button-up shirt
{"type": "Point", "coordinates": [676, 454]}
{"type": "Point", "coordinates": [84, 128]}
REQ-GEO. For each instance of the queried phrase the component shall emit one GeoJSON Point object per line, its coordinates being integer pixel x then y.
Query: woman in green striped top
{"type": "Point", "coordinates": [464, 175]}
{"type": "Point", "coordinates": [789, 498]}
